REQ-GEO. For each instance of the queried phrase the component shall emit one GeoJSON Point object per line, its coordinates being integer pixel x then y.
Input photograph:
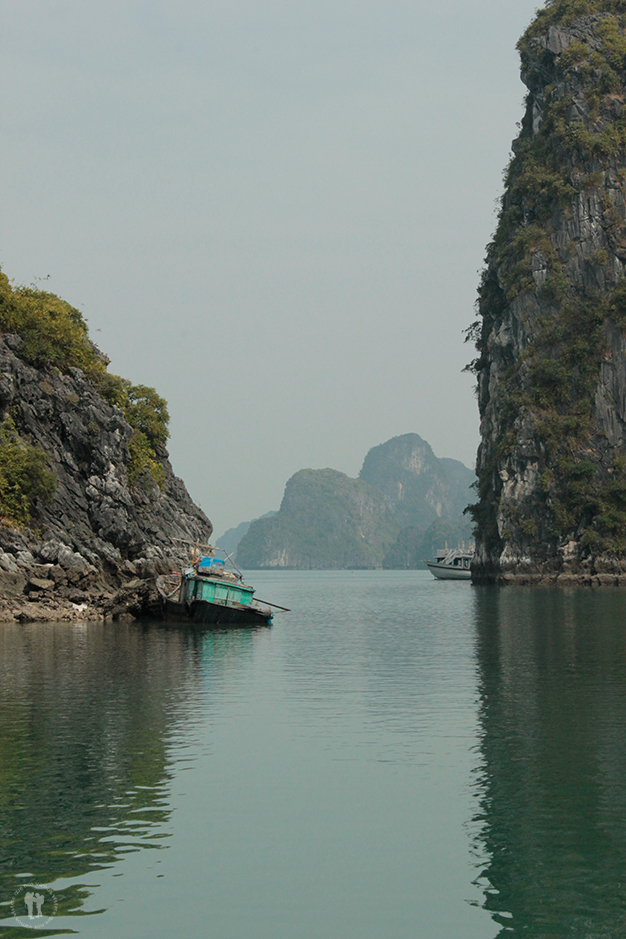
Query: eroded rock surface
{"type": "Point", "coordinates": [94, 551]}
{"type": "Point", "coordinates": [551, 363]}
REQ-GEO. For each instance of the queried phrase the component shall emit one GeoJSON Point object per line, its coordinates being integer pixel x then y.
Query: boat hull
{"type": "Point", "coordinates": [447, 572]}
{"type": "Point", "coordinates": [205, 615]}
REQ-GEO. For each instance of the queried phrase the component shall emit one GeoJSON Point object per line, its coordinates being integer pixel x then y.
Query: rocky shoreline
{"type": "Point", "coordinates": [565, 571]}
{"type": "Point", "coordinates": [42, 581]}
{"type": "Point", "coordinates": [534, 578]}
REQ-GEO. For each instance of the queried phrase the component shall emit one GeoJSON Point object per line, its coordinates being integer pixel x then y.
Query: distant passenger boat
{"type": "Point", "coordinates": [211, 593]}
{"type": "Point", "coordinates": [452, 564]}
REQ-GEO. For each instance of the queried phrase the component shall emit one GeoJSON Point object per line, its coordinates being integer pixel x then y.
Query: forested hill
{"type": "Point", "coordinates": [89, 505]}
{"type": "Point", "coordinates": [405, 504]}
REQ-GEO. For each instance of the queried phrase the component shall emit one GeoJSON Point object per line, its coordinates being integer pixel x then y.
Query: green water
{"type": "Point", "coordinates": [397, 757]}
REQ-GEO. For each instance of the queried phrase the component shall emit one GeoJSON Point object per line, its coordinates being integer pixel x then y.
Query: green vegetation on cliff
{"type": "Point", "coordinates": [326, 520]}
{"type": "Point", "coordinates": [552, 298]}
{"type": "Point", "coordinates": [24, 476]}
{"type": "Point", "coordinates": [565, 13]}
{"type": "Point", "coordinates": [405, 504]}
{"type": "Point", "coordinates": [147, 414]}
{"type": "Point", "coordinates": [55, 335]}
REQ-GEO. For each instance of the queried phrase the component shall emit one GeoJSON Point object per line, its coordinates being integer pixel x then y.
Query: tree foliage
{"type": "Point", "coordinates": [55, 335]}
{"type": "Point", "coordinates": [146, 412]}
{"type": "Point", "coordinates": [53, 332]}
{"type": "Point", "coordinates": [24, 475]}
{"type": "Point", "coordinates": [564, 13]}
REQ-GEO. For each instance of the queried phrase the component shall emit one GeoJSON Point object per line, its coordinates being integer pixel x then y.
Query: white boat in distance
{"type": "Point", "coordinates": [452, 564]}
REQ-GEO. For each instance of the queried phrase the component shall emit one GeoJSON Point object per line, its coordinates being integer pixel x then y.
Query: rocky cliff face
{"type": "Point", "coordinates": [418, 487]}
{"type": "Point", "coordinates": [326, 520]}
{"type": "Point", "coordinates": [92, 551]}
{"type": "Point", "coordinates": [551, 363]}
{"type": "Point", "coordinates": [390, 517]}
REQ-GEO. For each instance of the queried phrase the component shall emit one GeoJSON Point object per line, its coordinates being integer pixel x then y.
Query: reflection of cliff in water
{"type": "Point", "coordinates": [552, 791]}
{"type": "Point", "coordinates": [86, 718]}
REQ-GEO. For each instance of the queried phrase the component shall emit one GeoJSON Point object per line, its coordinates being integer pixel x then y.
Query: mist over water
{"type": "Point", "coordinates": [397, 756]}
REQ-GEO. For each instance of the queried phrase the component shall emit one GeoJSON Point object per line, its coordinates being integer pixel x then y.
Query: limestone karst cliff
{"type": "Point", "coordinates": [88, 544]}
{"type": "Point", "coordinates": [418, 486]}
{"type": "Point", "coordinates": [326, 520]}
{"type": "Point", "coordinates": [405, 504]}
{"type": "Point", "coordinates": [550, 337]}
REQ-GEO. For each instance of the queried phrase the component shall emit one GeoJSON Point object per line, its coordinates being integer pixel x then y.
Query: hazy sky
{"type": "Point", "coordinates": [274, 212]}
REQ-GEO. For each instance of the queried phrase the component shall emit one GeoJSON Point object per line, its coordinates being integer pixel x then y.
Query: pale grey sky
{"type": "Point", "coordinates": [274, 212]}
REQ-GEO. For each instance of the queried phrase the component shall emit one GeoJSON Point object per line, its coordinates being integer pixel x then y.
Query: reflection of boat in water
{"type": "Point", "coordinates": [211, 592]}
{"type": "Point", "coordinates": [452, 564]}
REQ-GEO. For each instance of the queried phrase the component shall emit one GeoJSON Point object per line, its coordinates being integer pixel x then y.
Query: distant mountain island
{"type": "Point", "coordinates": [405, 503]}
{"type": "Point", "coordinates": [229, 541]}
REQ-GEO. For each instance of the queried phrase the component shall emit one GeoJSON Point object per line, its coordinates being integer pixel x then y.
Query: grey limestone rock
{"type": "Point", "coordinates": [552, 344]}
{"type": "Point", "coordinates": [99, 531]}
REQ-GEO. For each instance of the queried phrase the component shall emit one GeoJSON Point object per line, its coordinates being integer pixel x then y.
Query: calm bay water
{"type": "Point", "coordinates": [396, 757]}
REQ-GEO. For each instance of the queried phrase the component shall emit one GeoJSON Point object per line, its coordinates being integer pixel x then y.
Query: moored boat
{"type": "Point", "coordinates": [211, 593]}
{"type": "Point", "coordinates": [452, 564]}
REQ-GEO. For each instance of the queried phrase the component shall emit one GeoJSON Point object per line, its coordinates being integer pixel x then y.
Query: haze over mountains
{"type": "Point", "coordinates": [229, 541]}
{"type": "Point", "coordinates": [405, 503]}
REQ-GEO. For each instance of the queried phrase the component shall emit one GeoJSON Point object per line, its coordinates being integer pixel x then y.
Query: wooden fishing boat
{"type": "Point", "coordinates": [211, 593]}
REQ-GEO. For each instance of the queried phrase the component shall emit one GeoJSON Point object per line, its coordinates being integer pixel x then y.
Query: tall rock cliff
{"type": "Point", "coordinates": [88, 544]}
{"type": "Point", "coordinates": [551, 339]}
